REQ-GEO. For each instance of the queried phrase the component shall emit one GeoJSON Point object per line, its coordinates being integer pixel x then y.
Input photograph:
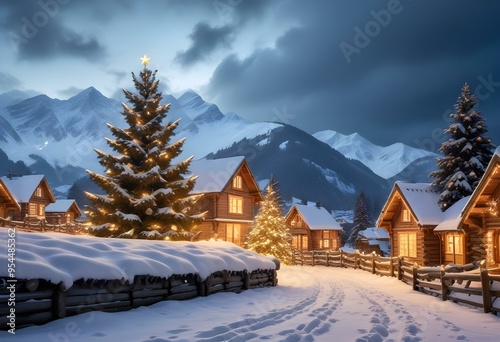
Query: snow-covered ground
{"type": "Point", "coordinates": [309, 304]}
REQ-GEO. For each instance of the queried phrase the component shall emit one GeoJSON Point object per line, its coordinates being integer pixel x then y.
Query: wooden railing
{"type": "Point", "coordinates": [470, 284]}
{"type": "Point", "coordinates": [40, 225]}
{"type": "Point", "coordinates": [39, 301]}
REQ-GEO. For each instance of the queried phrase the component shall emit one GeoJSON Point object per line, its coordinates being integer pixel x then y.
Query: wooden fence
{"type": "Point", "coordinates": [469, 284]}
{"type": "Point", "coordinates": [35, 224]}
{"type": "Point", "coordinates": [39, 301]}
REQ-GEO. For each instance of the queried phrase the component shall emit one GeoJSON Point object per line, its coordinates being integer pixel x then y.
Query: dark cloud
{"type": "Point", "coordinates": [35, 30]}
{"type": "Point", "coordinates": [397, 86]}
{"type": "Point", "coordinates": [204, 41]}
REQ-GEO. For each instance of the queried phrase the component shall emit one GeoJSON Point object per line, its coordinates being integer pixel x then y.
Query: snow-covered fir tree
{"type": "Point", "coordinates": [147, 194]}
{"type": "Point", "coordinates": [269, 234]}
{"type": "Point", "coordinates": [361, 219]}
{"type": "Point", "coordinates": [465, 154]}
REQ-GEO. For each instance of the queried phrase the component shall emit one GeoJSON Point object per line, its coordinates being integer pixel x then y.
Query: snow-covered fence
{"type": "Point", "coordinates": [469, 284]}
{"type": "Point", "coordinates": [40, 225]}
{"type": "Point", "coordinates": [370, 262]}
{"type": "Point", "coordinates": [39, 301]}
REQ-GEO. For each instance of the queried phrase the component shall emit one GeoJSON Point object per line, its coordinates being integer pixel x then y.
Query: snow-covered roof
{"type": "Point", "coordinates": [452, 216]}
{"type": "Point", "coordinates": [374, 233]}
{"type": "Point", "coordinates": [23, 188]}
{"type": "Point", "coordinates": [422, 199]}
{"type": "Point", "coordinates": [214, 174]}
{"type": "Point", "coordinates": [61, 206]}
{"type": "Point", "coordinates": [317, 218]}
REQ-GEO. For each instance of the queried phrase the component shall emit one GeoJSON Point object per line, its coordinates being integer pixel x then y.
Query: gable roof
{"type": "Point", "coordinates": [420, 198]}
{"type": "Point", "coordinates": [23, 187]}
{"type": "Point", "coordinates": [374, 233]}
{"type": "Point", "coordinates": [214, 175]}
{"type": "Point", "coordinates": [62, 206]}
{"type": "Point", "coordinates": [6, 196]}
{"type": "Point", "coordinates": [485, 190]}
{"type": "Point", "coordinates": [316, 218]}
{"type": "Point", "coordinates": [452, 217]}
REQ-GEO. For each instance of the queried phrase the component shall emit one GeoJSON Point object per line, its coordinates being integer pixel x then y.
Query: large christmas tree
{"type": "Point", "coordinates": [269, 234]}
{"type": "Point", "coordinates": [466, 153]}
{"type": "Point", "coordinates": [147, 194]}
{"type": "Point", "coordinates": [361, 220]}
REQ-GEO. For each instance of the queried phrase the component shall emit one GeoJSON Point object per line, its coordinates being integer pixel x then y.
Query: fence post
{"type": "Point", "coordinates": [327, 253]}
{"type": "Point", "coordinates": [312, 258]}
{"type": "Point", "coordinates": [400, 268]}
{"type": "Point", "coordinates": [341, 258]}
{"type": "Point", "coordinates": [444, 286]}
{"type": "Point", "coordinates": [485, 286]}
{"type": "Point", "coordinates": [59, 302]}
{"type": "Point", "coordinates": [391, 266]}
{"type": "Point", "coordinates": [356, 258]}
{"type": "Point", "coordinates": [373, 262]}
{"type": "Point", "coordinates": [415, 277]}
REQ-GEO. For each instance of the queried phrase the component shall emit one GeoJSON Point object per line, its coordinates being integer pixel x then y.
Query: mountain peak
{"type": "Point", "coordinates": [199, 110]}
{"type": "Point", "coordinates": [384, 161]}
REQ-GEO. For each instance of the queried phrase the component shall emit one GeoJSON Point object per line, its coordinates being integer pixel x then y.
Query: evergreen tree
{"type": "Point", "coordinates": [269, 234]}
{"type": "Point", "coordinates": [147, 195]}
{"type": "Point", "coordinates": [361, 219]}
{"type": "Point", "coordinates": [466, 153]}
{"type": "Point", "coordinates": [273, 182]}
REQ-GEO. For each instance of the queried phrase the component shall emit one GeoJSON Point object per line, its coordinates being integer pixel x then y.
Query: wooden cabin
{"type": "Point", "coordinates": [8, 203]}
{"type": "Point", "coordinates": [374, 240]}
{"type": "Point", "coordinates": [410, 215]}
{"type": "Point", "coordinates": [313, 228]}
{"type": "Point", "coordinates": [63, 211]}
{"type": "Point", "coordinates": [32, 194]}
{"type": "Point", "coordinates": [230, 198]}
{"type": "Point", "coordinates": [476, 221]}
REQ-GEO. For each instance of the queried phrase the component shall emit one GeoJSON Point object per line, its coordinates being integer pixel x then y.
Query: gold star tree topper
{"type": "Point", "coordinates": [145, 60]}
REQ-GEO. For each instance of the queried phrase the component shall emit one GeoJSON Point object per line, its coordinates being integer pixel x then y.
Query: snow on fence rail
{"type": "Point", "coordinates": [469, 284]}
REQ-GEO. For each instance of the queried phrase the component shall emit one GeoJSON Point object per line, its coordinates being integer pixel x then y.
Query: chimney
{"type": "Point", "coordinates": [318, 205]}
{"type": "Point", "coordinates": [9, 174]}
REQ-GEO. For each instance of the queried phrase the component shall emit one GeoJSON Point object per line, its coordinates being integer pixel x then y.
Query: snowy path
{"type": "Point", "coordinates": [310, 304]}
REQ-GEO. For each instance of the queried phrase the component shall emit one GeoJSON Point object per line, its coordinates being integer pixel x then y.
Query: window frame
{"type": "Point", "coordinates": [235, 204]}
{"type": "Point", "coordinates": [238, 182]}
{"type": "Point", "coordinates": [406, 215]}
{"type": "Point", "coordinates": [407, 244]}
{"type": "Point", "coordinates": [235, 229]}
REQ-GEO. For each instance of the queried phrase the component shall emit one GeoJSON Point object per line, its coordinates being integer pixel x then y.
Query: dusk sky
{"type": "Point", "coordinates": [389, 70]}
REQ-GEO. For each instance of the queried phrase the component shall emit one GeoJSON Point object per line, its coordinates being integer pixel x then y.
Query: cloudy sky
{"type": "Point", "coordinates": [389, 70]}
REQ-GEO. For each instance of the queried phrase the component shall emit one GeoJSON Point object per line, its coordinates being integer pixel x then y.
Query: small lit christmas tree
{"type": "Point", "coordinates": [147, 195]}
{"type": "Point", "coordinates": [466, 153]}
{"type": "Point", "coordinates": [269, 234]}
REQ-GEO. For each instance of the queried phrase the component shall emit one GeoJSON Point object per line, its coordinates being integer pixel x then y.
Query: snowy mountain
{"type": "Point", "coordinates": [386, 162]}
{"type": "Point", "coordinates": [308, 169]}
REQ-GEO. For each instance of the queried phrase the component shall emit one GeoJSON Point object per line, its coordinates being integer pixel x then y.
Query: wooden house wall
{"type": "Point", "coordinates": [428, 243]}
